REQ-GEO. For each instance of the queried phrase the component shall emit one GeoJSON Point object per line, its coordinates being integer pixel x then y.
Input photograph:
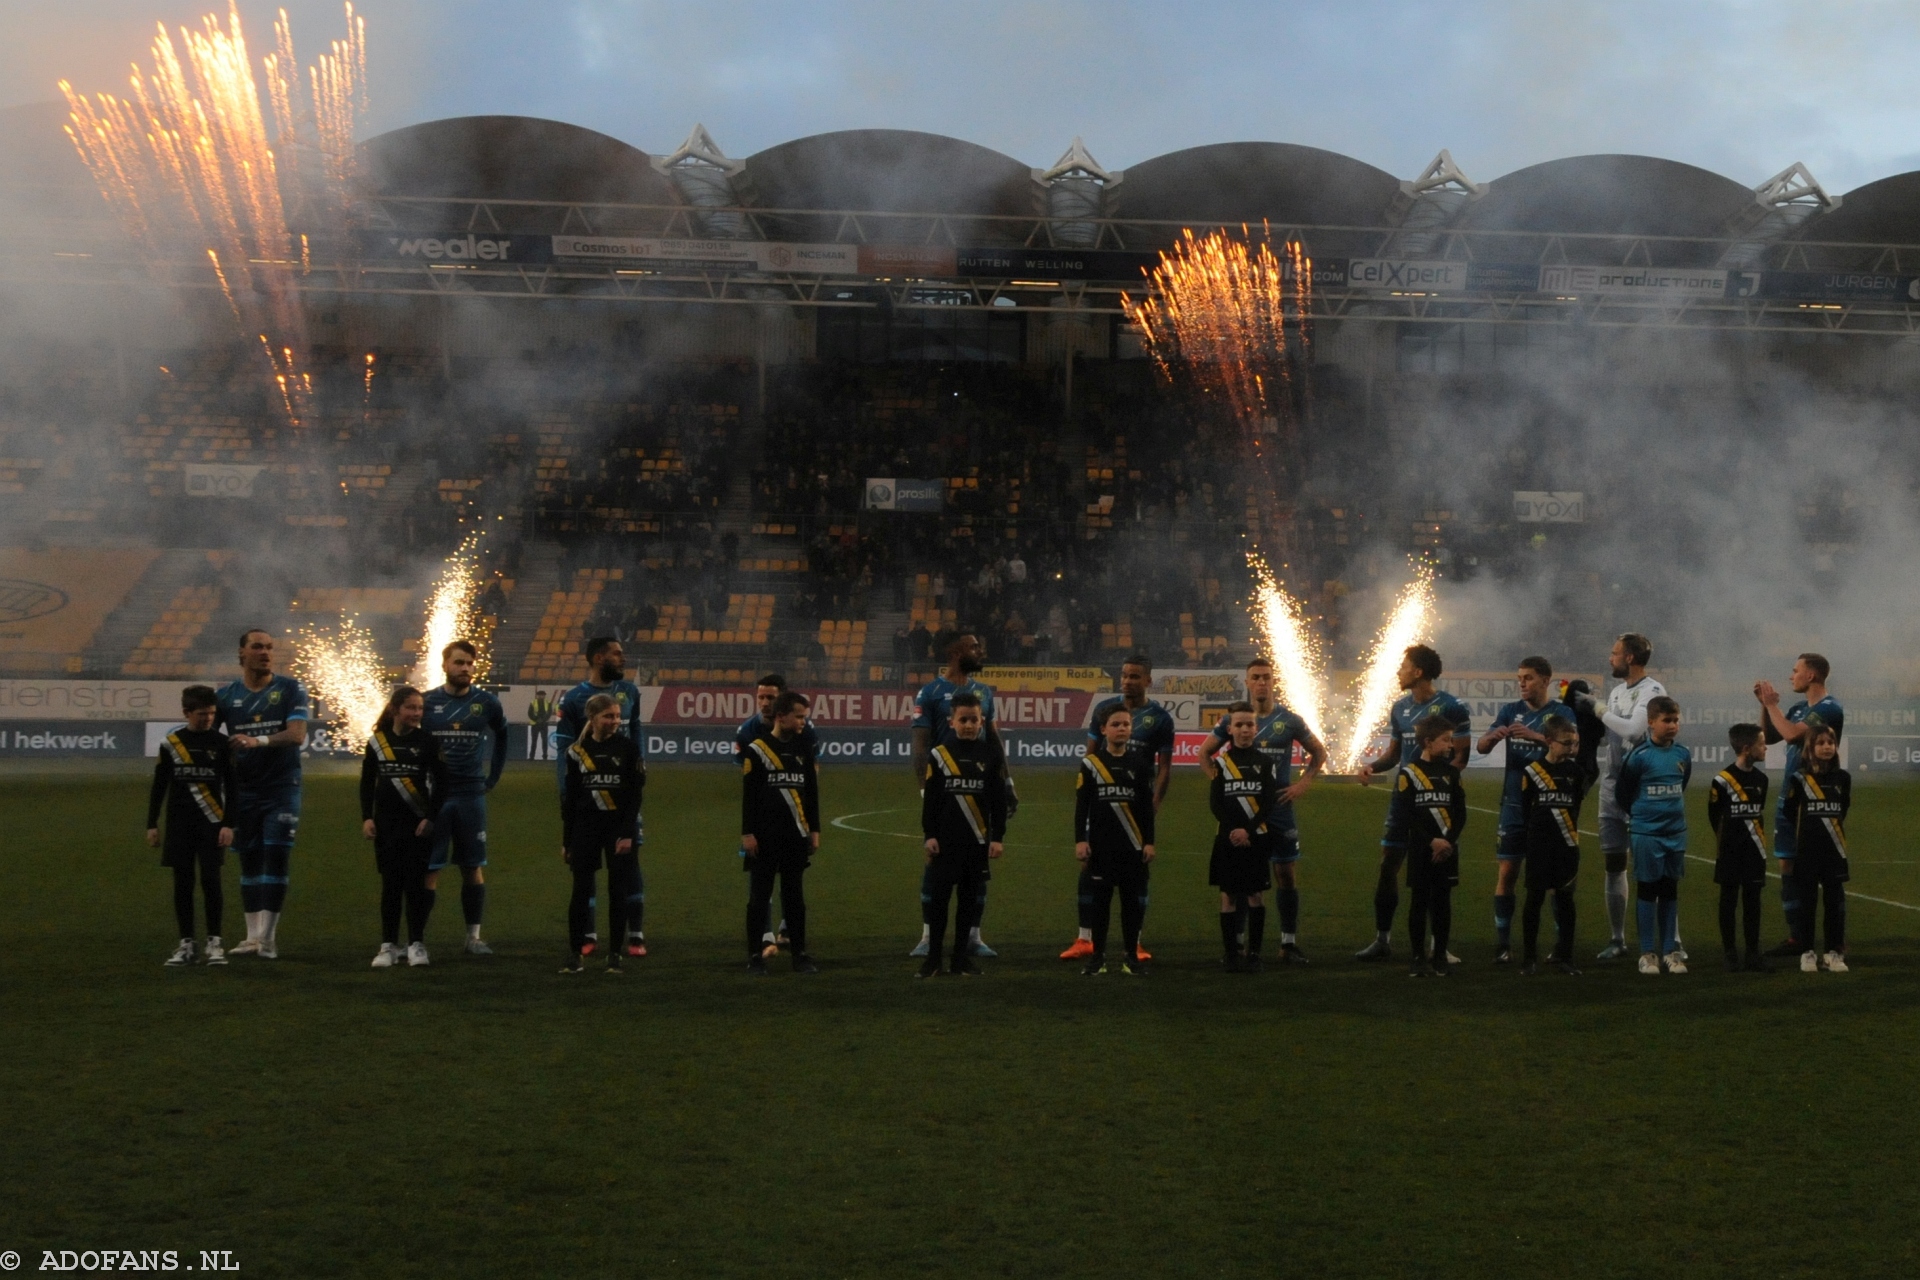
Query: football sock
{"type": "Point", "coordinates": [391, 894]}
{"type": "Point", "coordinates": [1084, 934]}
{"type": "Point", "coordinates": [1289, 914]}
{"type": "Point", "coordinates": [1836, 918]}
{"type": "Point", "coordinates": [1563, 918]}
{"type": "Point", "coordinates": [270, 927]}
{"type": "Point", "coordinates": [926, 930]}
{"type": "Point", "coordinates": [1503, 917]}
{"type": "Point", "coordinates": [1750, 905]}
{"type": "Point", "coordinates": [1441, 911]}
{"type": "Point", "coordinates": [1669, 924]}
{"type": "Point", "coordinates": [1790, 908]}
{"type": "Point", "coordinates": [1230, 930]}
{"type": "Point", "coordinates": [1617, 904]}
{"type": "Point", "coordinates": [933, 912]}
{"type": "Point", "coordinates": [1256, 929]}
{"type": "Point", "coordinates": [1646, 910]}
{"type": "Point", "coordinates": [1729, 899]}
{"type": "Point", "coordinates": [473, 906]}
{"type": "Point", "coordinates": [973, 933]}
{"type": "Point", "coordinates": [419, 907]}
{"type": "Point", "coordinates": [1386, 901]}
{"type": "Point", "coordinates": [1530, 922]}
{"type": "Point", "coordinates": [183, 896]}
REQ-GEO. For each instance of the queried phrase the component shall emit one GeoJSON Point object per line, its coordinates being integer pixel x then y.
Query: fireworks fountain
{"type": "Point", "coordinates": [340, 664]}
{"type": "Point", "coordinates": [188, 165]}
{"type": "Point", "coordinates": [453, 612]}
{"type": "Point", "coordinates": [1230, 315]}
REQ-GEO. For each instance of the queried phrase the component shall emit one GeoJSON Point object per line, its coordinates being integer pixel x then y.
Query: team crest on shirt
{"type": "Point", "coordinates": [273, 697]}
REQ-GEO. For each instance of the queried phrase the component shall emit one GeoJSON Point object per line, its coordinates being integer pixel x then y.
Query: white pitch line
{"type": "Point", "coordinates": [1694, 857]}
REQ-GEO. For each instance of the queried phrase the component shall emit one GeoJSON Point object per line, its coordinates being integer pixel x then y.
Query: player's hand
{"type": "Point", "coordinates": [1294, 792]}
{"type": "Point", "coordinates": [995, 848]}
{"type": "Point", "coordinates": [565, 856]}
{"type": "Point", "coordinates": [1768, 695]}
{"type": "Point", "coordinates": [424, 830]}
{"type": "Point", "coordinates": [366, 829]}
{"type": "Point", "coordinates": [1365, 775]}
{"type": "Point", "coordinates": [623, 846]}
{"type": "Point", "coordinates": [751, 845]}
{"type": "Point", "coordinates": [1013, 799]}
{"type": "Point", "coordinates": [813, 842]}
{"type": "Point", "coordinates": [226, 837]}
{"type": "Point", "coordinates": [1239, 838]}
{"type": "Point", "coordinates": [933, 849]}
{"type": "Point", "coordinates": [1442, 850]}
{"type": "Point", "coordinates": [1146, 854]}
{"type": "Point", "coordinates": [1083, 851]}
{"type": "Point", "coordinates": [1786, 867]}
{"type": "Point", "coordinates": [153, 837]}
{"type": "Point", "coordinates": [1525, 734]}
{"type": "Point", "coordinates": [243, 742]}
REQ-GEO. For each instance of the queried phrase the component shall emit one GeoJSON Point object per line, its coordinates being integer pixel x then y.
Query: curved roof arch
{"type": "Point", "coordinates": [1611, 195]}
{"type": "Point", "coordinates": [887, 171]}
{"type": "Point", "coordinates": [1886, 211]}
{"type": "Point", "coordinates": [1278, 182]}
{"type": "Point", "coordinates": [510, 158]}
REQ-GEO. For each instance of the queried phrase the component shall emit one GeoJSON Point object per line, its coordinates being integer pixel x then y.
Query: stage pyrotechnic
{"type": "Point", "coordinates": [1410, 623]}
{"type": "Point", "coordinates": [453, 613]}
{"type": "Point", "coordinates": [1287, 639]}
{"type": "Point", "coordinates": [189, 166]}
{"type": "Point", "coordinates": [340, 665]}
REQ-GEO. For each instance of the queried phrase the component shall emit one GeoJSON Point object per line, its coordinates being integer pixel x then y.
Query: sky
{"type": "Point", "coordinates": [1741, 87]}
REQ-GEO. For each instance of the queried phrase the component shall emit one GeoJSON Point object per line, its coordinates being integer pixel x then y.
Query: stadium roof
{"type": "Point", "coordinates": [1278, 182]}
{"type": "Point", "coordinates": [1883, 212]}
{"type": "Point", "coordinates": [1628, 196]}
{"type": "Point", "coordinates": [884, 171]}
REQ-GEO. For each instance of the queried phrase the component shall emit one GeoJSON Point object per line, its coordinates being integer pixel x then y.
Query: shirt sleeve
{"type": "Point", "coordinates": [1082, 806]}
{"type": "Point", "coordinates": [1627, 789]}
{"type": "Point", "coordinates": [1143, 794]}
{"type": "Point", "coordinates": [932, 796]}
{"type": "Point", "coordinates": [369, 779]}
{"type": "Point", "coordinates": [1401, 811]}
{"type": "Point", "coordinates": [296, 702]}
{"type": "Point", "coordinates": [923, 709]}
{"type": "Point", "coordinates": [810, 796]}
{"type": "Point", "coordinates": [1717, 799]}
{"type": "Point", "coordinates": [497, 721]}
{"type": "Point", "coordinates": [1504, 717]}
{"type": "Point", "coordinates": [996, 803]}
{"type": "Point", "coordinates": [1163, 740]}
{"type": "Point", "coordinates": [1462, 719]}
{"type": "Point", "coordinates": [1632, 727]}
{"type": "Point", "coordinates": [162, 779]}
{"type": "Point", "coordinates": [630, 783]}
{"type": "Point", "coordinates": [569, 785]}
{"type": "Point", "coordinates": [436, 776]}
{"type": "Point", "coordinates": [1457, 811]}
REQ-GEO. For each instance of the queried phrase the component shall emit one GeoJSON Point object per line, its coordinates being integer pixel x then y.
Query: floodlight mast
{"type": "Point", "coordinates": [1780, 205]}
{"type": "Point", "coordinates": [704, 176]}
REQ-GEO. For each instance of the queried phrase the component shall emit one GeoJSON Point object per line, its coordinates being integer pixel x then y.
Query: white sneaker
{"type": "Point", "coordinates": [215, 953]}
{"type": "Point", "coordinates": [384, 958]}
{"type": "Point", "coordinates": [251, 947]}
{"type": "Point", "coordinates": [1809, 962]}
{"type": "Point", "coordinates": [919, 948]}
{"type": "Point", "coordinates": [475, 947]}
{"type": "Point", "coordinates": [182, 954]}
{"type": "Point", "coordinates": [1676, 962]}
{"type": "Point", "coordinates": [269, 950]}
{"type": "Point", "coordinates": [1835, 962]}
{"type": "Point", "coordinates": [416, 953]}
{"type": "Point", "coordinates": [1650, 964]}
{"type": "Point", "coordinates": [1614, 950]}
{"type": "Point", "coordinates": [1452, 958]}
{"type": "Point", "coordinates": [1678, 953]}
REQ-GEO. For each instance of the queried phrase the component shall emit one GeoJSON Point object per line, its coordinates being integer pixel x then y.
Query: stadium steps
{"type": "Point", "coordinates": [881, 624]}
{"type": "Point", "coordinates": [736, 513]}
{"type": "Point", "coordinates": [113, 644]}
{"type": "Point", "coordinates": [539, 579]}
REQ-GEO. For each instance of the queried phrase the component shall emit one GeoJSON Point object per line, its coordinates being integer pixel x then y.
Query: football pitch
{"type": "Point", "coordinates": [488, 1117]}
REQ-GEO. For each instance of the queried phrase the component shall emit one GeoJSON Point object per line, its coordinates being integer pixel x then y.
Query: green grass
{"type": "Point", "coordinates": [489, 1118]}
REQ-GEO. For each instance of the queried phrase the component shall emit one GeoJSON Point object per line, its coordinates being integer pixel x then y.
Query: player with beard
{"type": "Point", "coordinates": [265, 716]}
{"type": "Point", "coordinates": [932, 727]}
{"type": "Point", "coordinates": [1521, 725]}
{"type": "Point", "coordinates": [1419, 667]}
{"type": "Point", "coordinates": [1625, 716]}
{"type": "Point", "coordinates": [766, 692]}
{"type": "Point", "coordinates": [608, 661]}
{"type": "Point", "coordinates": [1794, 727]}
{"type": "Point", "coordinates": [469, 726]}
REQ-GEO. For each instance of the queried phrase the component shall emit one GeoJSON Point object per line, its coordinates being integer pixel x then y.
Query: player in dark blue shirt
{"type": "Point", "coordinates": [932, 713]}
{"type": "Point", "coordinates": [469, 726]}
{"type": "Point", "coordinates": [609, 664]}
{"type": "Point", "coordinates": [1420, 666]}
{"type": "Point", "coordinates": [265, 716]}
{"type": "Point", "coordinates": [1277, 732]}
{"type": "Point", "coordinates": [1152, 737]}
{"type": "Point", "coordinates": [1518, 724]}
{"type": "Point", "coordinates": [1816, 707]}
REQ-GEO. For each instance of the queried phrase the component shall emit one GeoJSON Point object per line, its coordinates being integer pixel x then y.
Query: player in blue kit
{"type": "Point", "coordinates": [932, 727]}
{"type": "Point", "coordinates": [608, 662]}
{"type": "Point", "coordinates": [1816, 708]}
{"type": "Point", "coordinates": [766, 692]}
{"type": "Point", "coordinates": [1277, 731]}
{"type": "Point", "coordinates": [1520, 725]}
{"type": "Point", "coordinates": [1152, 736]}
{"type": "Point", "coordinates": [469, 727]}
{"type": "Point", "coordinates": [1652, 790]}
{"type": "Point", "coordinates": [1419, 667]}
{"type": "Point", "coordinates": [265, 716]}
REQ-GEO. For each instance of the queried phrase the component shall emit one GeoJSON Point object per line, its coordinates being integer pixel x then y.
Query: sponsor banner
{"type": "Point", "coordinates": [1013, 707]}
{"type": "Point", "coordinates": [521, 701]}
{"type": "Point", "coordinates": [1503, 277]}
{"type": "Point", "coordinates": [1654, 282]}
{"type": "Point", "coordinates": [1408, 275]}
{"type": "Point", "coordinates": [885, 493]}
{"type": "Point", "coordinates": [1054, 264]}
{"type": "Point", "coordinates": [1541, 506]}
{"type": "Point", "coordinates": [1187, 747]}
{"type": "Point", "coordinates": [90, 699]}
{"type": "Point", "coordinates": [1828, 286]}
{"type": "Point", "coordinates": [1046, 679]}
{"type": "Point", "coordinates": [712, 745]}
{"type": "Point", "coordinates": [906, 260]}
{"type": "Point", "coordinates": [210, 480]}
{"type": "Point", "coordinates": [1198, 696]}
{"type": "Point", "coordinates": [456, 246]}
{"type": "Point", "coordinates": [68, 738]}
{"type": "Point", "coordinates": [712, 255]}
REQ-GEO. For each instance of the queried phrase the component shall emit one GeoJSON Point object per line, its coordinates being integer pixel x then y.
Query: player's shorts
{"type": "Point", "coordinates": [1282, 839]}
{"type": "Point", "coordinates": [1786, 841]}
{"type": "Point", "coordinates": [1740, 866]}
{"type": "Point", "coordinates": [1235, 870]}
{"type": "Point", "coordinates": [268, 819]}
{"type": "Point", "coordinates": [460, 832]}
{"type": "Point", "coordinates": [1659, 858]}
{"type": "Point", "coordinates": [398, 851]}
{"type": "Point", "coordinates": [1614, 834]}
{"type": "Point", "coordinates": [1551, 865]}
{"type": "Point", "coordinates": [192, 846]}
{"type": "Point", "coordinates": [1510, 834]}
{"type": "Point", "coordinates": [1393, 837]}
